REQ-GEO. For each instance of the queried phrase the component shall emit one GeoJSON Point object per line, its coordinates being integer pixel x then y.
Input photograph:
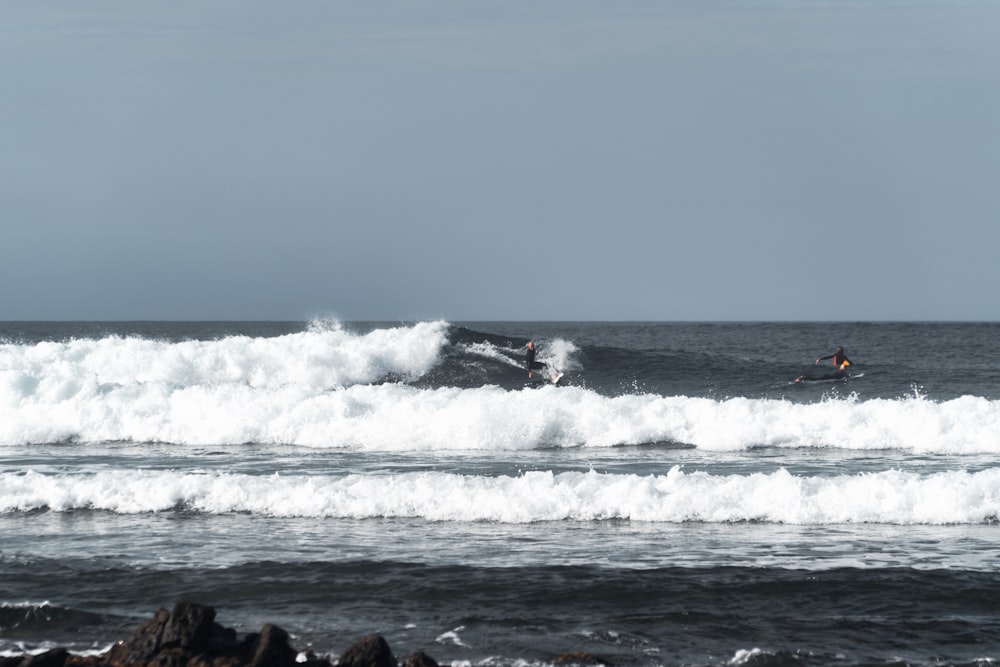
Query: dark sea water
{"type": "Point", "coordinates": [677, 499]}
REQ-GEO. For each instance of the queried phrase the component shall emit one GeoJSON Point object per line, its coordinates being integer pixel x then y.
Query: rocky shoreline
{"type": "Point", "coordinates": [188, 636]}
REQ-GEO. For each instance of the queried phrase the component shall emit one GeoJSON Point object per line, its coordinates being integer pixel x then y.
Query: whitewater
{"type": "Point", "coordinates": [886, 497]}
{"type": "Point", "coordinates": [327, 387]}
{"type": "Point", "coordinates": [677, 497]}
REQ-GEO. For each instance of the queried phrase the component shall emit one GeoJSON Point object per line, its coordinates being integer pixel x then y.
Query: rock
{"type": "Point", "coordinates": [143, 645]}
{"type": "Point", "coordinates": [372, 651]}
{"type": "Point", "coordinates": [173, 639]}
{"type": "Point", "coordinates": [188, 636]}
{"type": "Point", "coordinates": [272, 649]}
{"type": "Point", "coordinates": [188, 627]}
{"type": "Point", "coordinates": [54, 658]}
{"type": "Point", "coordinates": [419, 659]}
{"type": "Point", "coordinates": [223, 643]}
{"type": "Point", "coordinates": [171, 657]}
{"type": "Point", "coordinates": [779, 659]}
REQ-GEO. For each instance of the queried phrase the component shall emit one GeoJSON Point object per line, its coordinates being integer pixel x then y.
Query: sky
{"type": "Point", "coordinates": [668, 160]}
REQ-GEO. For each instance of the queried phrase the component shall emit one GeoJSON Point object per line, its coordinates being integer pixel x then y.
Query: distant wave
{"type": "Point", "coordinates": [890, 497]}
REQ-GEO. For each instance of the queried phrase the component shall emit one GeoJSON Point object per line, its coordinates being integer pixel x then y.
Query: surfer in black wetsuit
{"type": "Point", "coordinates": [840, 362]}
{"type": "Point", "coordinates": [840, 359]}
{"type": "Point", "coordinates": [529, 359]}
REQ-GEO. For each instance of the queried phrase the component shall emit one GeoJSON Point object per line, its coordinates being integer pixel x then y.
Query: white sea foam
{"type": "Point", "coordinates": [743, 656]}
{"type": "Point", "coordinates": [401, 417]}
{"type": "Point", "coordinates": [558, 353]}
{"type": "Point", "coordinates": [319, 388]}
{"type": "Point", "coordinates": [324, 357]}
{"type": "Point", "coordinates": [452, 637]}
{"type": "Point", "coordinates": [889, 497]}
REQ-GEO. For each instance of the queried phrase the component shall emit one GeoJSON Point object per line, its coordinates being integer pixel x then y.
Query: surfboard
{"type": "Point", "coordinates": [544, 379]}
{"type": "Point", "coordinates": [827, 378]}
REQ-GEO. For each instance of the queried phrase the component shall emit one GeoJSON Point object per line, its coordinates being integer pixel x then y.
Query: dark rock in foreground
{"type": "Point", "coordinates": [372, 651]}
{"type": "Point", "coordinates": [188, 636]}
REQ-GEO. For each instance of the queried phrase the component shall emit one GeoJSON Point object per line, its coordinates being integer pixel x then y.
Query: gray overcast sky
{"type": "Point", "coordinates": [508, 159]}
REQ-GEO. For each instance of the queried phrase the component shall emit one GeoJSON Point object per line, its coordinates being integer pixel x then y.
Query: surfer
{"type": "Point", "coordinates": [840, 363]}
{"type": "Point", "coordinates": [529, 359]}
{"type": "Point", "coordinates": [840, 359]}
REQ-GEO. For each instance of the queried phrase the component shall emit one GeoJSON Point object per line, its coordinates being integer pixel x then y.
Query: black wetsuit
{"type": "Point", "coordinates": [839, 359]}
{"type": "Point", "coordinates": [529, 361]}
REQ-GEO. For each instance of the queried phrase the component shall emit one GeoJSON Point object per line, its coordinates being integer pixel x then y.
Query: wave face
{"type": "Point", "coordinates": [431, 386]}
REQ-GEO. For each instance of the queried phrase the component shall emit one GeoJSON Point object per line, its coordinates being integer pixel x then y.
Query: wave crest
{"type": "Point", "coordinates": [890, 497]}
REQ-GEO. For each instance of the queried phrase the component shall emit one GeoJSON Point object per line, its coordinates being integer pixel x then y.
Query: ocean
{"type": "Point", "coordinates": [676, 499]}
